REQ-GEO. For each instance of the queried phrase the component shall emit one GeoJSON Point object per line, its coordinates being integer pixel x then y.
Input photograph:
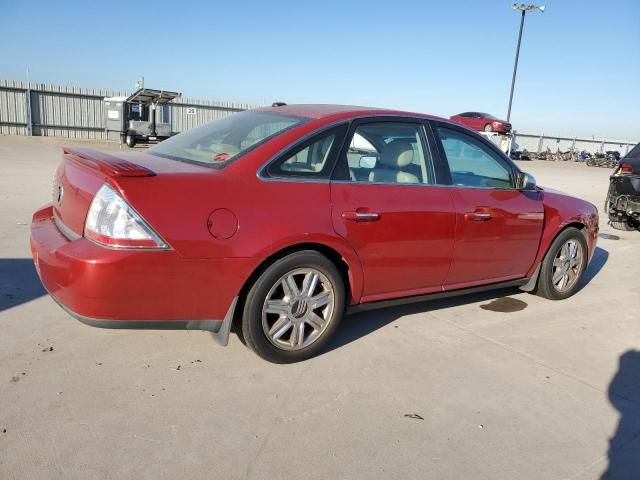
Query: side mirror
{"type": "Point", "coordinates": [526, 182]}
{"type": "Point", "coordinates": [367, 161]}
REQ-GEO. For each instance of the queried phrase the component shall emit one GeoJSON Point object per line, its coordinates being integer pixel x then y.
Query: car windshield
{"type": "Point", "coordinates": [488, 116]}
{"type": "Point", "coordinates": [221, 141]}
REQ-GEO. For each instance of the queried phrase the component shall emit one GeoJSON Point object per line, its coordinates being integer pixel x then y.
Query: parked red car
{"type": "Point", "coordinates": [482, 122]}
{"type": "Point", "coordinates": [282, 218]}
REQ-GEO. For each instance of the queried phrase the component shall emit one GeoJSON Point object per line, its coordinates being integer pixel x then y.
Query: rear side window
{"type": "Point", "coordinates": [473, 164]}
{"type": "Point", "coordinates": [219, 142]}
{"type": "Point", "coordinates": [387, 152]}
{"type": "Point", "coordinates": [312, 159]}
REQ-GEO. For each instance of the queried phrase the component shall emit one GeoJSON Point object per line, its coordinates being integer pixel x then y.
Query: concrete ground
{"type": "Point", "coordinates": [444, 390]}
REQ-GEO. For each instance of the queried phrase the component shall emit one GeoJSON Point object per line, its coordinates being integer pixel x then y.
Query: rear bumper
{"type": "Point", "coordinates": [134, 288]}
{"type": "Point", "coordinates": [626, 184]}
{"type": "Point", "coordinates": [219, 328]}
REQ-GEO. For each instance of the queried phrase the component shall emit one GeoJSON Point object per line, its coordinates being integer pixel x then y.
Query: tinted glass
{"type": "Point", "coordinates": [388, 152]}
{"type": "Point", "coordinates": [473, 164]}
{"type": "Point", "coordinates": [219, 142]}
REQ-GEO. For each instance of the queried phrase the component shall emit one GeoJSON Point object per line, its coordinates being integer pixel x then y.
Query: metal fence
{"type": "Point", "coordinates": [63, 111]}
{"type": "Point", "coordinates": [533, 142]}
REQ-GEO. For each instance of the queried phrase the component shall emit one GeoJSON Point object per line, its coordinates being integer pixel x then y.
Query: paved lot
{"type": "Point", "coordinates": [446, 390]}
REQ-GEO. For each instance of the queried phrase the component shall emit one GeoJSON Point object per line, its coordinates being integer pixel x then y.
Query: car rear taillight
{"type": "Point", "coordinates": [625, 169]}
{"type": "Point", "coordinates": [113, 223]}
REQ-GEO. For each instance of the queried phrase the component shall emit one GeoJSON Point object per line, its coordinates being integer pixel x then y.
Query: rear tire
{"type": "Point", "coordinates": [625, 225]}
{"type": "Point", "coordinates": [563, 265]}
{"type": "Point", "coordinates": [130, 141]}
{"type": "Point", "coordinates": [294, 307]}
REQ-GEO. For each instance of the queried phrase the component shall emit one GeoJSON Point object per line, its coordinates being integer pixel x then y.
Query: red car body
{"type": "Point", "coordinates": [482, 122]}
{"type": "Point", "coordinates": [221, 226]}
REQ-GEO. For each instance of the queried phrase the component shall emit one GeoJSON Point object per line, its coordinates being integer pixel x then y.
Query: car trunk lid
{"type": "Point", "coordinates": [83, 171]}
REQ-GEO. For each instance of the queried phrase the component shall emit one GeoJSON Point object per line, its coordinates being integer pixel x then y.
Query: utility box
{"type": "Point", "coordinates": [137, 118]}
{"type": "Point", "coordinates": [502, 140]}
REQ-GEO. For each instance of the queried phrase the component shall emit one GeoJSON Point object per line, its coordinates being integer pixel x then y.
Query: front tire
{"type": "Point", "coordinates": [294, 307]}
{"type": "Point", "coordinates": [488, 128]}
{"type": "Point", "coordinates": [130, 141]}
{"type": "Point", "coordinates": [563, 265]}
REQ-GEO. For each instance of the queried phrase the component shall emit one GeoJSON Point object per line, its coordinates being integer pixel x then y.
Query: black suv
{"type": "Point", "coordinates": [623, 199]}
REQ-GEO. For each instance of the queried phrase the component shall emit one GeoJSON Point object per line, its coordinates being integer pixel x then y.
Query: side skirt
{"type": "Point", "coordinates": [362, 307]}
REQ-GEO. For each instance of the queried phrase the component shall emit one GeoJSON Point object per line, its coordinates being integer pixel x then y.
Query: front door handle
{"type": "Point", "coordinates": [361, 216]}
{"type": "Point", "coordinates": [478, 216]}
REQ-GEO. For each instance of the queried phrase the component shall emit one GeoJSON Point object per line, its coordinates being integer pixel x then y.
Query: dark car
{"type": "Point", "coordinates": [281, 219]}
{"type": "Point", "coordinates": [482, 122]}
{"type": "Point", "coordinates": [623, 200]}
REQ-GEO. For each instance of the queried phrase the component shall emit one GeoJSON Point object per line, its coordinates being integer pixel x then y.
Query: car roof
{"type": "Point", "coordinates": [318, 111]}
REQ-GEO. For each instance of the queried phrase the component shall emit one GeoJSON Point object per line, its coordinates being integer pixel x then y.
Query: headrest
{"type": "Point", "coordinates": [397, 154]}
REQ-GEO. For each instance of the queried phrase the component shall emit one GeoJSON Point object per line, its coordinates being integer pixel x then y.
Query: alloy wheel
{"type": "Point", "coordinates": [567, 266]}
{"type": "Point", "coordinates": [298, 308]}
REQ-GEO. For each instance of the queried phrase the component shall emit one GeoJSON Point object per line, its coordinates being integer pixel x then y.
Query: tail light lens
{"type": "Point", "coordinates": [112, 222]}
{"type": "Point", "coordinates": [625, 169]}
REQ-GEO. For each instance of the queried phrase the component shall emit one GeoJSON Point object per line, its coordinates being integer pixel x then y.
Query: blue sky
{"type": "Point", "coordinates": [579, 70]}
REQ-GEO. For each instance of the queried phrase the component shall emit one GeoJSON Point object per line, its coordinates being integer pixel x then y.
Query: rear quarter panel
{"type": "Point", "coordinates": [271, 215]}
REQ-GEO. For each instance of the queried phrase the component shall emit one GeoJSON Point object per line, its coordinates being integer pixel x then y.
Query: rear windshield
{"type": "Point", "coordinates": [221, 141]}
{"type": "Point", "coordinates": [634, 152]}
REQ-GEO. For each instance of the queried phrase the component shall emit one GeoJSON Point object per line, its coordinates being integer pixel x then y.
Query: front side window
{"type": "Point", "coordinates": [473, 164]}
{"type": "Point", "coordinates": [217, 143]}
{"type": "Point", "coordinates": [388, 152]}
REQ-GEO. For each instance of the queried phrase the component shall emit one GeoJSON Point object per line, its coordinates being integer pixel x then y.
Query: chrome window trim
{"type": "Point", "coordinates": [295, 180]}
{"type": "Point", "coordinates": [66, 231]}
{"type": "Point", "coordinates": [438, 185]}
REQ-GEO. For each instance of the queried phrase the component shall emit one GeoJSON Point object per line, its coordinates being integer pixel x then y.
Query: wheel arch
{"type": "Point", "coordinates": [346, 263]}
{"type": "Point", "coordinates": [549, 236]}
{"type": "Point", "coordinates": [534, 272]}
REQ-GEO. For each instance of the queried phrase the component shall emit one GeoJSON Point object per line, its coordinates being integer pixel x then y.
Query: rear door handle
{"type": "Point", "coordinates": [478, 216]}
{"type": "Point", "coordinates": [361, 216]}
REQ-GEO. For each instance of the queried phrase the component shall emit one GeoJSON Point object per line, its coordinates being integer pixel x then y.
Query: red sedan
{"type": "Point", "coordinates": [482, 122]}
{"type": "Point", "coordinates": [282, 219]}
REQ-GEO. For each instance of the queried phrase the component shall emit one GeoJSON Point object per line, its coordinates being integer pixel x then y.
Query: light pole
{"type": "Point", "coordinates": [524, 8]}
